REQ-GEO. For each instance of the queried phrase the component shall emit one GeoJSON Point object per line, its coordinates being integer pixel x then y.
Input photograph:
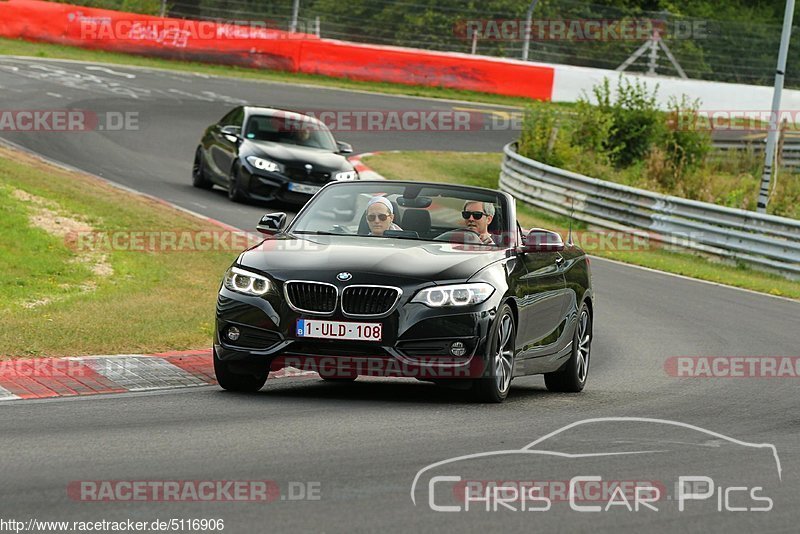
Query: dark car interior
{"type": "Point", "coordinates": [416, 223]}
{"type": "Point", "coordinates": [276, 129]}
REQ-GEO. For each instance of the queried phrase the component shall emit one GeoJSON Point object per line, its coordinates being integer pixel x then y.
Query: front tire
{"type": "Point", "coordinates": [232, 379]}
{"type": "Point", "coordinates": [494, 386]}
{"type": "Point", "coordinates": [199, 179]}
{"type": "Point", "coordinates": [235, 191]}
{"type": "Point", "coordinates": [572, 376]}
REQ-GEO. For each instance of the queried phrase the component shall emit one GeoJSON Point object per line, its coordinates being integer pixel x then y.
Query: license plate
{"type": "Point", "coordinates": [339, 330]}
{"type": "Point", "coordinates": [304, 188]}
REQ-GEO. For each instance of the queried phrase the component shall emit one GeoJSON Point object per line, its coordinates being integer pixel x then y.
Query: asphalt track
{"type": "Point", "coordinates": [363, 444]}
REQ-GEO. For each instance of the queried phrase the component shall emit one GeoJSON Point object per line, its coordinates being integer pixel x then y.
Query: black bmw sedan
{"type": "Point", "coordinates": [424, 280]}
{"type": "Point", "coordinates": [264, 154]}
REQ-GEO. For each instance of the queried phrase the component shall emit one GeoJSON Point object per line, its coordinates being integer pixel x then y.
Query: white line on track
{"type": "Point", "coordinates": [109, 71]}
{"type": "Point", "coordinates": [683, 277]}
{"type": "Point", "coordinates": [273, 82]}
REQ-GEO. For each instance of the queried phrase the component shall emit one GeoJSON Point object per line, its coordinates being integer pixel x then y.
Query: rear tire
{"type": "Point", "coordinates": [494, 386]}
{"type": "Point", "coordinates": [245, 382]}
{"type": "Point", "coordinates": [572, 376]}
{"type": "Point", "coordinates": [199, 179]}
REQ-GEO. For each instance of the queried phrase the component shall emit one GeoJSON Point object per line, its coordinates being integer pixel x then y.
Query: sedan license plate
{"type": "Point", "coordinates": [304, 188]}
{"type": "Point", "coordinates": [339, 330]}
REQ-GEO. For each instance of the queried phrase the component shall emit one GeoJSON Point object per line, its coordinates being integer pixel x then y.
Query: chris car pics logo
{"type": "Point", "coordinates": [647, 466]}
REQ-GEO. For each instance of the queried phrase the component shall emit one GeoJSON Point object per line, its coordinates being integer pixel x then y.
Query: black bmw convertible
{"type": "Point", "coordinates": [264, 154]}
{"type": "Point", "coordinates": [425, 280]}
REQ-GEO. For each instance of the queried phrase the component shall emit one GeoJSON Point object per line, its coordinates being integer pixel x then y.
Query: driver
{"type": "Point", "coordinates": [302, 136]}
{"type": "Point", "coordinates": [477, 216]}
{"type": "Point", "coordinates": [380, 216]}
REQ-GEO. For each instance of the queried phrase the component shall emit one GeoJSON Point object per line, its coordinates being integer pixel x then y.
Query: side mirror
{"type": "Point", "coordinates": [271, 223]}
{"type": "Point", "coordinates": [232, 133]}
{"type": "Point", "coordinates": [541, 240]}
{"type": "Point", "coordinates": [344, 148]}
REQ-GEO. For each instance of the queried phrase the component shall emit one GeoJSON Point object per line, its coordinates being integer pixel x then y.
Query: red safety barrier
{"type": "Point", "coordinates": [421, 67]}
{"type": "Point", "coordinates": [261, 47]}
{"type": "Point", "coordinates": [253, 46]}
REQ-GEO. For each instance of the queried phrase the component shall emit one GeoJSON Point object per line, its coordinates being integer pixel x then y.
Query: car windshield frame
{"type": "Point", "coordinates": [287, 128]}
{"type": "Point", "coordinates": [409, 190]}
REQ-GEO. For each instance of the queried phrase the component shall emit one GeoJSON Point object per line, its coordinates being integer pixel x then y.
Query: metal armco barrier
{"type": "Point", "coordinates": [766, 242]}
{"type": "Point", "coordinates": [789, 158]}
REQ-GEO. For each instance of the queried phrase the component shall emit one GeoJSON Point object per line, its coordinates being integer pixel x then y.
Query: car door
{"type": "Point", "coordinates": [223, 147]}
{"type": "Point", "coordinates": [543, 305]}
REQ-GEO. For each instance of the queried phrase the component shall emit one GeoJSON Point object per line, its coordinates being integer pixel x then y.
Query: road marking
{"type": "Point", "coordinates": [506, 115]}
{"type": "Point", "coordinates": [7, 395]}
{"type": "Point", "coordinates": [640, 267]}
{"type": "Point", "coordinates": [109, 71]}
{"type": "Point", "coordinates": [55, 95]}
{"type": "Point", "coordinates": [156, 70]}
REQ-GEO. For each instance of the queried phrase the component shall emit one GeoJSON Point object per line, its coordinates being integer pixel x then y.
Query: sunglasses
{"type": "Point", "coordinates": [477, 215]}
{"type": "Point", "coordinates": [382, 216]}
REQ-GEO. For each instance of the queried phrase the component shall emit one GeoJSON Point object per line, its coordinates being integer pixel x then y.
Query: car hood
{"type": "Point", "coordinates": [283, 153]}
{"type": "Point", "coordinates": [323, 257]}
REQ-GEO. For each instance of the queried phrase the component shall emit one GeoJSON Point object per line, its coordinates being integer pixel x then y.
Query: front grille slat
{"type": "Point", "coordinates": [300, 175]}
{"type": "Point", "coordinates": [369, 300]}
{"type": "Point", "coordinates": [311, 297]}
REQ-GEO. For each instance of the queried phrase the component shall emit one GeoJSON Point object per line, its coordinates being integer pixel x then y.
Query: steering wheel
{"type": "Point", "coordinates": [460, 235]}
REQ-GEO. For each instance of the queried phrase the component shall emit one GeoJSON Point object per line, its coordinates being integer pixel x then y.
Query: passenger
{"type": "Point", "coordinates": [380, 216]}
{"type": "Point", "coordinates": [477, 217]}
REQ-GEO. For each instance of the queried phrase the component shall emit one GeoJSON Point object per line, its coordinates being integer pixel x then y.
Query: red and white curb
{"type": "Point", "coordinates": [93, 375]}
{"type": "Point", "coordinates": [364, 172]}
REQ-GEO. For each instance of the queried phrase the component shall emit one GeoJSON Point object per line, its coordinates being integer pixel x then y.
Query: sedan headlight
{"type": "Point", "coordinates": [346, 175]}
{"type": "Point", "coordinates": [454, 295]}
{"type": "Point", "coordinates": [245, 282]}
{"type": "Point", "coordinates": [263, 164]}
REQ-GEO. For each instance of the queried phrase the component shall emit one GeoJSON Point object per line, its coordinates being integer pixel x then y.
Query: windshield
{"type": "Point", "coordinates": [290, 130]}
{"type": "Point", "coordinates": [407, 211]}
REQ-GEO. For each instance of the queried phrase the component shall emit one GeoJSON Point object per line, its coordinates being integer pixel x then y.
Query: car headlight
{"type": "Point", "coordinates": [454, 295]}
{"type": "Point", "coordinates": [245, 282]}
{"type": "Point", "coordinates": [346, 175]}
{"type": "Point", "coordinates": [263, 164]}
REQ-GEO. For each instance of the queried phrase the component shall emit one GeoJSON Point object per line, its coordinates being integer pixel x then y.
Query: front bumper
{"type": "Point", "coordinates": [268, 186]}
{"type": "Point", "coordinates": [416, 340]}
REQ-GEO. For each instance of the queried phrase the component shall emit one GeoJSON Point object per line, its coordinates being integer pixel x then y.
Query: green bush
{"type": "Point", "coordinates": [638, 124]}
{"type": "Point", "coordinates": [544, 136]}
{"type": "Point", "coordinates": [594, 126]}
{"type": "Point", "coordinates": [687, 144]}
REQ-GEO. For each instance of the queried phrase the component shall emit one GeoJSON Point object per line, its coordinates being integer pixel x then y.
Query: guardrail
{"type": "Point", "coordinates": [766, 242]}
{"type": "Point", "coordinates": [790, 156]}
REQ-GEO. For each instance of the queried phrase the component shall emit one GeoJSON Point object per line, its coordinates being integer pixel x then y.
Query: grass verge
{"type": "Point", "coordinates": [61, 297]}
{"type": "Point", "coordinates": [482, 169]}
{"type": "Point", "coordinates": [19, 47]}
